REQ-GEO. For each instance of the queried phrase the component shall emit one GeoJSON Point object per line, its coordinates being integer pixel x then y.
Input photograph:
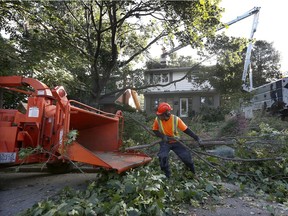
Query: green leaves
{"type": "Point", "coordinates": [209, 187]}
{"type": "Point", "coordinates": [71, 137]}
{"type": "Point", "coordinates": [93, 41]}
{"type": "Point", "coordinates": [26, 152]}
{"type": "Point", "coordinates": [144, 191]}
{"type": "Point", "coordinates": [227, 76]}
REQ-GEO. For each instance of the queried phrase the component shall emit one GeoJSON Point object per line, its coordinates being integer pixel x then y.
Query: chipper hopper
{"type": "Point", "coordinates": [52, 129]}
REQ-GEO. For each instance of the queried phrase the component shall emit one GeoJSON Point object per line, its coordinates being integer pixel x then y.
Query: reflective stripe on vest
{"type": "Point", "coordinates": [174, 125]}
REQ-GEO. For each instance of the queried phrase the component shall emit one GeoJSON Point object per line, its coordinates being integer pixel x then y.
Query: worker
{"type": "Point", "coordinates": [165, 126]}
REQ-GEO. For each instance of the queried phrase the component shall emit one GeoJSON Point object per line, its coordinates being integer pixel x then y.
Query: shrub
{"type": "Point", "coordinates": [235, 126]}
{"type": "Point", "coordinates": [211, 114]}
{"type": "Point", "coordinates": [133, 130]}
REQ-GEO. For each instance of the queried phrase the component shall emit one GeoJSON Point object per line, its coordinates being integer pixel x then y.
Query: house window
{"type": "Point", "coordinates": [183, 107]}
{"type": "Point", "coordinates": [164, 78]}
{"type": "Point", "coordinates": [157, 101]}
{"type": "Point", "coordinates": [189, 78]}
{"type": "Point", "coordinates": [207, 101]}
{"type": "Point", "coordinates": [160, 78]}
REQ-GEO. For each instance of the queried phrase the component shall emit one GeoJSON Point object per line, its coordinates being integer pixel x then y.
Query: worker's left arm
{"type": "Point", "coordinates": [190, 133]}
{"type": "Point", "coordinates": [182, 126]}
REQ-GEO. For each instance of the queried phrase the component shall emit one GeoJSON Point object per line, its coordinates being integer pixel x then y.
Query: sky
{"type": "Point", "coordinates": [271, 25]}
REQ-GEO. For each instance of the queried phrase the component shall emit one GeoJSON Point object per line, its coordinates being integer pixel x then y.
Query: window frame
{"type": "Point", "coordinates": [186, 108]}
{"type": "Point", "coordinates": [160, 78]}
{"type": "Point", "coordinates": [204, 101]}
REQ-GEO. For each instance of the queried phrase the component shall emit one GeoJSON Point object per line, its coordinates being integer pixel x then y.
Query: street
{"type": "Point", "coordinates": [21, 190]}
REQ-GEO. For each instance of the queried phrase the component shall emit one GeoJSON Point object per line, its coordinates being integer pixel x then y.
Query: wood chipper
{"type": "Point", "coordinates": [43, 128]}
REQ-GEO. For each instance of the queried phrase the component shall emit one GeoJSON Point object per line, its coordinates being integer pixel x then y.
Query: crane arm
{"type": "Point", "coordinates": [247, 64]}
{"type": "Point", "coordinates": [254, 10]}
{"type": "Point", "coordinates": [251, 12]}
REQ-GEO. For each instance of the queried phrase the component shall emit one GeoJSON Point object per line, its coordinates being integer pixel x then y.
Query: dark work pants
{"type": "Point", "coordinates": [179, 150]}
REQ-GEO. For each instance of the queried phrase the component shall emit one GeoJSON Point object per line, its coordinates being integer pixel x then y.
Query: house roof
{"type": "Point", "coordinates": [175, 69]}
{"type": "Point", "coordinates": [181, 92]}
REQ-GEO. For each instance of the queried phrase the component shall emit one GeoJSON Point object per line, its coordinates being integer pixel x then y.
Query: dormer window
{"type": "Point", "coordinates": [189, 78]}
{"type": "Point", "coordinates": [160, 78]}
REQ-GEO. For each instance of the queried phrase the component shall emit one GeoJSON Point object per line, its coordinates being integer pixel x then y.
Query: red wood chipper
{"type": "Point", "coordinates": [45, 124]}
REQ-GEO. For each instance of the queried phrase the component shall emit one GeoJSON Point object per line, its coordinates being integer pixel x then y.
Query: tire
{"type": "Point", "coordinates": [59, 167]}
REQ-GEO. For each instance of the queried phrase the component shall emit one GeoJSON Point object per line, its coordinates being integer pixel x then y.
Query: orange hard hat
{"type": "Point", "coordinates": [162, 108]}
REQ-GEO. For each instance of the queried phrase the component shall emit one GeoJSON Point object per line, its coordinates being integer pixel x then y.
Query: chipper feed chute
{"type": "Point", "coordinates": [99, 140]}
{"type": "Point", "coordinates": [43, 125]}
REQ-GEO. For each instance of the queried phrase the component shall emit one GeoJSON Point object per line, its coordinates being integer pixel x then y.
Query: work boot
{"type": "Point", "coordinates": [191, 175]}
{"type": "Point", "coordinates": [194, 176]}
{"type": "Point", "coordinates": [167, 174]}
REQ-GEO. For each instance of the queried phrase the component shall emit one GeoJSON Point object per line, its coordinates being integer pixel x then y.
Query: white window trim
{"type": "Point", "coordinates": [186, 113]}
{"type": "Point", "coordinates": [161, 77]}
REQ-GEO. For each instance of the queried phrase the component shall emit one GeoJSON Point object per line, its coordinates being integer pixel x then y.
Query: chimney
{"type": "Point", "coordinates": [163, 58]}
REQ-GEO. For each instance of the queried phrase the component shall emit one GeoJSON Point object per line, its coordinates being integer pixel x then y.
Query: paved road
{"type": "Point", "coordinates": [21, 190]}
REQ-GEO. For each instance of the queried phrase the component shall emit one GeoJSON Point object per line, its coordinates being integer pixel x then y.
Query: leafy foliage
{"type": "Point", "coordinates": [227, 75]}
{"type": "Point", "coordinates": [96, 41]}
{"type": "Point", "coordinates": [146, 191]}
{"type": "Point", "coordinates": [141, 191]}
{"type": "Point", "coordinates": [269, 177]}
{"type": "Point", "coordinates": [26, 152]}
{"type": "Point", "coordinates": [265, 63]}
{"type": "Point", "coordinates": [133, 130]}
{"type": "Point", "coordinates": [71, 137]}
{"type": "Point", "coordinates": [235, 126]}
{"type": "Point", "coordinates": [211, 114]}
{"type": "Point", "coordinates": [266, 119]}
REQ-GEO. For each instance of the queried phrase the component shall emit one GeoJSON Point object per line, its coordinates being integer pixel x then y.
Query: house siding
{"type": "Point", "coordinates": [174, 92]}
{"type": "Point", "coordinates": [182, 85]}
{"type": "Point", "coordinates": [173, 98]}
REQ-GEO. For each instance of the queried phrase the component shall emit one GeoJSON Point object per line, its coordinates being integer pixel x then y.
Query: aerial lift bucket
{"type": "Point", "coordinates": [99, 139]}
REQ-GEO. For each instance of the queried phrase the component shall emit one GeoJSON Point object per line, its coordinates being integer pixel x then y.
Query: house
{"type": "Point", "coordinates": [186, 96]}
{"type": "Point", "coordinates": [123, 98]}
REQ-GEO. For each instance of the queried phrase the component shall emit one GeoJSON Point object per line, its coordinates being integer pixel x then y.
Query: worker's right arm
{"type": "Point", "coordinates": [156, 131]}
{"type": "Point", "coordinates": [160, 135]}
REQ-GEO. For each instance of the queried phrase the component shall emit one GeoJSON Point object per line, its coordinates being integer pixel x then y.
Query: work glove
{"type": "Point", "coordinates": [199, 141]}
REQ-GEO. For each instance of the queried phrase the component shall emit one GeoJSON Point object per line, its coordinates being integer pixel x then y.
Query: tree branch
{"type": "Point", "coordinates": [240, 159]}
{"type": "Point", "coordinates": [159, 85]}
{"type": "Point", "coordinates": [162, 34]}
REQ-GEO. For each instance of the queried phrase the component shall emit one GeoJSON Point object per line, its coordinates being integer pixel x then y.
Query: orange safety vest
{"type": "Point", "coordinates": [173, 132]}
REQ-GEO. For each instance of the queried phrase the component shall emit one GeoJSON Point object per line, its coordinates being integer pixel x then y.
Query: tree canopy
{"type": "Point", "coordinates": [95, 44]}
{"type": "Point", "coordinates": [265, 63]}
{"type": "Point", "coordinates": [95, 48]}
{"type": "Point", "coordinates": [226, 76]}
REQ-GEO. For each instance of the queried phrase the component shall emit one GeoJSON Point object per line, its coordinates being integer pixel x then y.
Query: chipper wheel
{"type": "Point", "coordinates": [58, 167]}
